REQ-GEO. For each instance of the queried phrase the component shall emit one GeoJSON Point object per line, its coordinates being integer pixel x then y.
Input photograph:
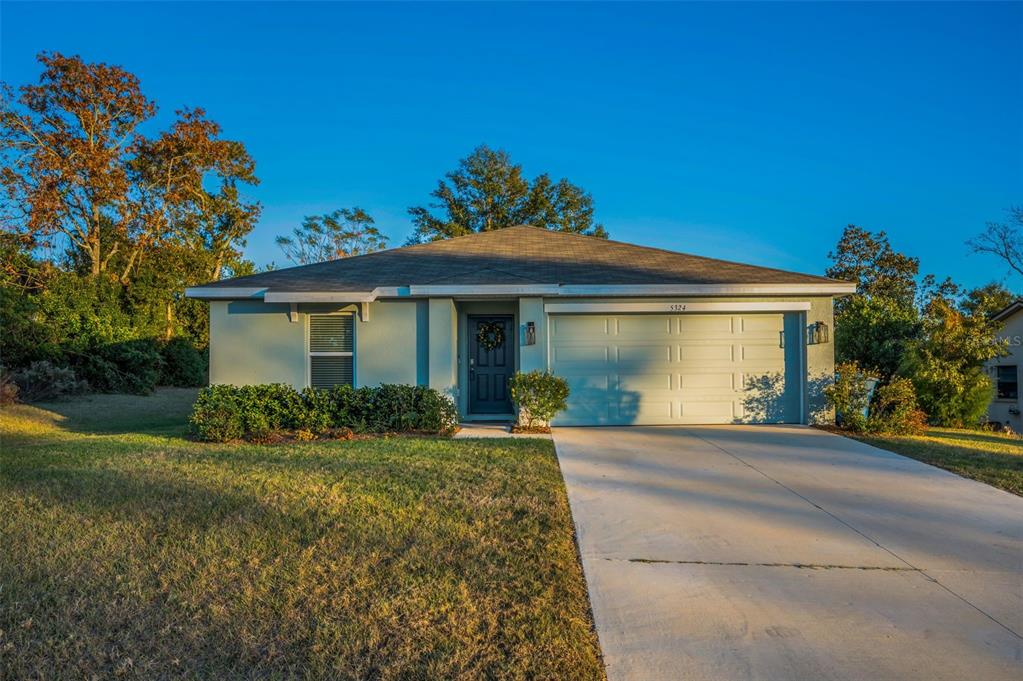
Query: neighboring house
{"type": "Point", "coordinates": [643, 335]}
{"type": "Point", "coordinates": [1005, 371]}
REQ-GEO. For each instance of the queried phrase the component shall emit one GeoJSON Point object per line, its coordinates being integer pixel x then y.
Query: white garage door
{"type": "Point", "coordinates": [675, 369]}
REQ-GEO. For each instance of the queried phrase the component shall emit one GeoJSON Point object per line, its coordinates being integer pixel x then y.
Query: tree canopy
{"type": "Point", "coordinates": [487, 191]}
{"type": "Point", "coordinates": [341, 234]}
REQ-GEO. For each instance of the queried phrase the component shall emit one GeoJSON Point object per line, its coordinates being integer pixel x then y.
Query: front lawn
{"type": "Point", "coordinates": [130, 551]}
{"type": "Point", "coordinates": [985, 456]}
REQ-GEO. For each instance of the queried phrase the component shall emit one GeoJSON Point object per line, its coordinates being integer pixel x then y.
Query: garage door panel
{"type": "Point", "coordinates": [647, 354]}
{"type": "Point", "coordinates": [664, 369]}
{"type": "Point", "coordinates": [639, 326]}
{"type": "Point", "coordinates": [718, 381]}
{"type": "Point", "coordinates": [772, 324]}
{"type": "Point", "coordinates": [647, 381]}
{"type": "Point", "coordinates": [715, 325]}
{"type": "Point", "coordinates": [714, 411]}
{"type": "Point", "coordinates": [761, 353]}
{"type": "Point", "coordinates": [579, 327]}
{"type": "Point", "coordinates": [588, 354]}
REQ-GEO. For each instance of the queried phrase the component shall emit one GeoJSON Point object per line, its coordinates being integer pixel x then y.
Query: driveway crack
{"type": "Point", "coordinates": [909, 566]}
{"type": "Point", "coordinates": [802, 566]}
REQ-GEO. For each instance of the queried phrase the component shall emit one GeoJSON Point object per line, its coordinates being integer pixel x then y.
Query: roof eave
{"type": "Point", "coordinates": [515, 290]}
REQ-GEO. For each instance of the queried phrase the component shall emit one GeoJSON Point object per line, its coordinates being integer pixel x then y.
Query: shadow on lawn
{"type": "Point", "coordinates": [164, 412]}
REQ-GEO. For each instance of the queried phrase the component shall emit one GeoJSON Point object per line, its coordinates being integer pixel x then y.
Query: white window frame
{"type": "Point", "coordinates": [309, 354]}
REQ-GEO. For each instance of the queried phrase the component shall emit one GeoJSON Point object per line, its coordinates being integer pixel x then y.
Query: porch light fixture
{"type": "Point", "coordinates": [530, 334]}
{"type": "Point", "coordinates": [817, 334]}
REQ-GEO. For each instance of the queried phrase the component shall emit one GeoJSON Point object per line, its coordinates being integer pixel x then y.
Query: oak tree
{"type": "Point", "coordinates": [487, 192]}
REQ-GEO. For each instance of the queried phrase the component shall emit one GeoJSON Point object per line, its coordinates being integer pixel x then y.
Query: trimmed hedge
{"type": "Point", "coordinates": [225, 412]}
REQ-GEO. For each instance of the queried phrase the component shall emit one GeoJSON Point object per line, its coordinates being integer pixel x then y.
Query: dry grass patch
{"type": "Point", "coordinates": [131, 551]}
{"type": "Point", "coordinates": [989, 457]}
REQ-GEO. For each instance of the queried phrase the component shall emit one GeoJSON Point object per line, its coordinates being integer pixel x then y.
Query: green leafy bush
{"type": "Point", "coordinates": [44, 380]}
{"type": "Point", "coordinates": [894, 409]}
{"type": "Point", "coordinates": [132, 366]}
{"type": "Point", "coordinates": [848, 396]}
{"type": "Point", "coordinates": [255, 412]}
{"type": "Point", "coordinates": [183, 365]}
{"type": "Point", "coordinates": [539, 396]}
{"type": "Point", "coordinates": [216, 415]}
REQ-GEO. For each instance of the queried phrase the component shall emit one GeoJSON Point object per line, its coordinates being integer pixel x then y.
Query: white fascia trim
{"type": "Point", "coordinates": [320, 297]}
{"type": "Point", "coordinates": [707, 289]}
{"type": "Point", "coordinates": [677, 307]}
{"type": "Point", "coordinates": [487, 290]}
{"type": "Point", "coordinates": [217, 292]}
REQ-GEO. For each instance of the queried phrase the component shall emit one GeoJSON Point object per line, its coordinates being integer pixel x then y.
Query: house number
{"type": "Point", "coordinates": [677, 307]}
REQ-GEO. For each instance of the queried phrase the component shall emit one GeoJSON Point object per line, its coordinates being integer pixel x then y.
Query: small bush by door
{"type": "Point", "coordinates": [539, 396]}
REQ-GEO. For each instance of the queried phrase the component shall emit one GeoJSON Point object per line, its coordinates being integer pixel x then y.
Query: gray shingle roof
{"type": "Point", "coordinates": [517, 255]}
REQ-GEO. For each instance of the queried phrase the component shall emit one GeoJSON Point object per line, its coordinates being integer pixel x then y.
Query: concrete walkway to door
{"type": "Point", "coordinates": [784, 552]}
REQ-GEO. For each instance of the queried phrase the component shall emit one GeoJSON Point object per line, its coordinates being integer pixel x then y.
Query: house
{"type": "Point", "coordinates": [1005, 371]}
{"type": "Point", "coordinates": [643, 335]}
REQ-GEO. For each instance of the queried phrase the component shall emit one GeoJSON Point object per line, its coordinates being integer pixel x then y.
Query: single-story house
{"type": "Point", "coordinates": [643, 335]}
{"type": "Point", "coordinates": [1005, 371]}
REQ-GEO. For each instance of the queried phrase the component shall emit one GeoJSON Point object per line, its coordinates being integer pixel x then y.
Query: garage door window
{"type": "Point", "coordinates": [331, 350]}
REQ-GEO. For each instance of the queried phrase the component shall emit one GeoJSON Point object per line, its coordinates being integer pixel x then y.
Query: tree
{"type": "Point", "coordinates": [946, 363]}
{"type": "Point", "coordinates": [1003, 240]}
{"type": "Point", "coordinates": [487, 192]}
{"type": "Point", "coordinates": [341, 234]}
{"type": "Point", "coordinates": [878, 270]}
{"type": "Point", "coordinates": [66, 153]}
{"type": "Point", "coordinates": [76, 167]}
{"type": "Point", "coordinates": [874, 326]}
{"type": "Point", "coordinates": [987, 300]}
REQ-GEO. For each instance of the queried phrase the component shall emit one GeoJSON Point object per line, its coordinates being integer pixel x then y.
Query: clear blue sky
{"type": "Point", "coordinates": [748, 132]}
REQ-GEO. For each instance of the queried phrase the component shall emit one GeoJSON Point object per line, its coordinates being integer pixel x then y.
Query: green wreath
{"type": "Point", "coordinates": [490, 335]}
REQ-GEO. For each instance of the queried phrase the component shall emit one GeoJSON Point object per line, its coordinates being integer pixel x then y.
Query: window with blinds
{"type": "Point", "coordinates": [331, 346]}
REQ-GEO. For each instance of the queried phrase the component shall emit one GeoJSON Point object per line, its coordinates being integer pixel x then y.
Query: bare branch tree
{"type": "Point", "coordinates": [1003, 240]}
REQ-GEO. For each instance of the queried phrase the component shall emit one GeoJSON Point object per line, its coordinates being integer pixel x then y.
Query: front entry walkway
{"type": "Point", "coordinates": [773, 552]}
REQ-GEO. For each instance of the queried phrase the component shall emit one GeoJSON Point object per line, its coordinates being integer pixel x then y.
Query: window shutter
{"type": "Point", "coordinates": [331, 344]}
{"type": "Point", "coordinates": [330, 333]}
{"type": "Point", "coordinates": [330, 370]}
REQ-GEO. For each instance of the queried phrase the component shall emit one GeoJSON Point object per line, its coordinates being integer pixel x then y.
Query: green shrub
{"type": "Point", "coordinates": [317, 414]}
{"type": "Point", "coordinates": [255, 412]}
{"type": "Point", "coordinates": [848, 396]}
{"type": "Point", "coordinates": [216, 415]}
{"type": "Point", "coordinates": [44, 380]}
{"type": "Point", "coordinates": [8, 388]}
{"type": "Point", "coordinates": [132, 366]}
{"type": "Point", "coordinates": [894, 409]}
{"type": "Point", "coordinates": [539, 396]}
{"type": "Point", "coordinates": [183, 365]}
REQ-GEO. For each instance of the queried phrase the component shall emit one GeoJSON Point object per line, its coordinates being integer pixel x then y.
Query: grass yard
{"type": "Point", "coordinates": [130, 551]}
{"type": "Point", "coordinates": [988, 457]}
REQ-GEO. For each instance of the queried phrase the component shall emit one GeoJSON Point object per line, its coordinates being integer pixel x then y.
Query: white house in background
{"type": "Point", "coordinates": [1005, 371]}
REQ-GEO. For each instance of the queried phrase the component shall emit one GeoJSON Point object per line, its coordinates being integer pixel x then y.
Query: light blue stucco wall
{"type": "Point", "coordinates": [254, 342]}
{"type": "Point", "coordinates": [532, 357]}
{"type": "Point", "coordinates": [392, 345]}
{"type": "Point", "coordinates": [442, 346]}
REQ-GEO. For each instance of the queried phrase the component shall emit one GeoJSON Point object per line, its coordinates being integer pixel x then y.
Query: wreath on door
{"type": "Point", "coordinates": [490, 335]}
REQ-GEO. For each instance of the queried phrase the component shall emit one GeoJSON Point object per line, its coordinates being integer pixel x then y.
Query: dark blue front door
{"type": "Point", "coordinates": [490, 367]}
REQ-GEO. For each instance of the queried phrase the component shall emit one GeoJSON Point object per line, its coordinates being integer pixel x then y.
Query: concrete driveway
{"type": "Point", "coordinates": [775, 552]}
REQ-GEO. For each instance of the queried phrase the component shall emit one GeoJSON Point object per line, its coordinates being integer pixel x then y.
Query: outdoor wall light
{"type": "Point", "coordinates": [530, 333]}
{"type": "Point", "coordinates": [817, 333]}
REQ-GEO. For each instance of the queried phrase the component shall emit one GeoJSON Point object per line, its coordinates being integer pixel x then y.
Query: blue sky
{"type": "Point", "coordinates": [747, 132]}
